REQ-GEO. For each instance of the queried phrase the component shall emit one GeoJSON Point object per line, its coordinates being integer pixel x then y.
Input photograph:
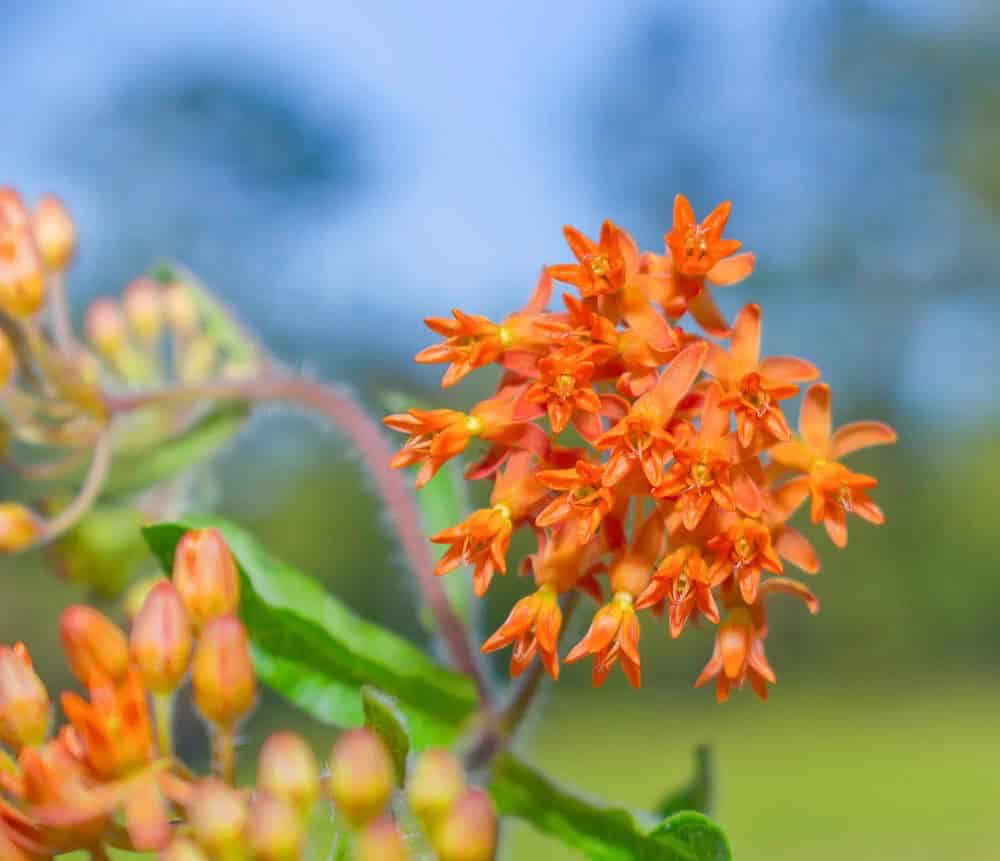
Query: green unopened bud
{"type": "Point", "coordinates": [289, 770]}
{"type": "Point", "coordinates": [468, 831]}
{"type": "Point", "coordinates": [362, 776]}
{"type": "Point", "coordinates": [205, 575]}
{"type": "Point", "coordinates": [436, 782]}
{"type": "Point", "coordinates": [24, 702]}
{"type": "Point", "coordinates": [276, 831]}
{"type": "Point", "coordinates": [55, 233]}
{"type": "Point", "coordinates": [381, 840]}
{"type": "Point", "coordinates": [222, 673]}
{"type": "Point", "coordinates": [143, 300]}
{"type": "Point", "coordinates": [182, 849]}
{"type": "Point", "coordinates": [160, 642]}
{"type": "Point", "coordinates": [105, 327]}
{"type": "Point", "coordinates": [217, 814]}
{"type": "Point", "coordinates": [19, 527]}
{"type": "Point", "coordinates": [95, 646]}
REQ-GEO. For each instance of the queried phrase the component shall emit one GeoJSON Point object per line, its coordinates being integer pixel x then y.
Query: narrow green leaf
{"type": "Point", "coordinates": [698, 793]}
{"type": "Point", "coordinates": [383, 715]}
{"type": "Point", "coordinates": [317, 653]}
{"type": "Point", "coordinates": [601, 833]}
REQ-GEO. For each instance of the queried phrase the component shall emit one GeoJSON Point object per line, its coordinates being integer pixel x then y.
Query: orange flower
{"type": "Point", "coordinates": [642, 438]}
{"type": "Point", "coordinates": [533, 627]}
{"type": "Point", "coordinates": [708, 468]}
{"type": "Point", "coordinates": [836, 491]}
{"type": "Point", "coordinates": [481, 540]}
{"type": "Point", "coordinates": [684, 582]}
{"type": "Point", "coordinates": [583, 498]}
{"type": "Point", "coordinates": [744, 551]}
{"type": "Point", "coordinates": [600, 269]}
{"type": "Point", "coordinates": [698, 252]}
{"type": "Point", "coordinates": [754, 386]}
{"type": "Point", "coordinates": [613, 635]}
{"type": "Point", "coordinates": [565, 392]}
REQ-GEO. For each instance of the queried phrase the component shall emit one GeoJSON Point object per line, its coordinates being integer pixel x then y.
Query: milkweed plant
{"type": "Point", "coordinates": [639, 439]}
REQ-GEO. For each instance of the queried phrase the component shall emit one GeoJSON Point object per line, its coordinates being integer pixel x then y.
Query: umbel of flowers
{"type": "Point", "coordinates": [110, 777]}
{"type": "Point", "coordinates": [673, 492]}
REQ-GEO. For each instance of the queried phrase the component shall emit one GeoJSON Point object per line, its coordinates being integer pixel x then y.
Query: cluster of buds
{"type": "Point", "coordinates": [656, 460]}
{"type": "Point", "coordinates": [113, 761]}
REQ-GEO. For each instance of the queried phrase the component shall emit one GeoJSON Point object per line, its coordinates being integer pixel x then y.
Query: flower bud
{"type": "Point", "coordinates": [181, 312]}
{"type": "Point", "coordinates": [436, 782]}
{"type": "Point", "coordinates": [276, 832]}
{"type": "Point", "coordinates": [8, 361]}
{"type": "Point", "coordinates": [182, 849]}
{"type": "Point", "coordinates": [13, 212]}
{"type": "Point", "coordinates": [22, 276]}
{"type": "Point", "coordinates": [55, 233]}
{"type": "Point", "coordinates": [136, 596]}
{"type": "Point", "coordinates": [24, 702]}
{"type": "Point", "coordinates": [161, 639]}
{"type": "Point", "coordinates": [144, 308]}
{"type": "Point", "coordinates": [105, 326]}
{"type": "Point", "coordinates": [18, 527]}
{"type": "Point", "coordinates": [469, 830]}
{"type": "Point", "coordinates": [95, 646]}
{"type": "Point", "coordinates": [288, 770]}
{"type": "Point", "coordinates": [205, 576]}
{"type": "Point", "coordinates": [217, 815]}
{"type": "Point", "coordinates": [222, 673]}
{"type": "Point", "coordinates": [362, 776]}
{"type": "Point", "coordinates": [381, 840]}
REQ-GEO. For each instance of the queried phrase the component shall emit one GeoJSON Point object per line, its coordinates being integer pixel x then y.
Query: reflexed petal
{"type": "Point", "coordinates": [858, 435]}
{"type": "Point", "coordinates": [732, 270]}
{"type": "Point", "coordinates": [541, 295]}
{"type": "Point", "coordinates": [784, 370]}
{"type": "Point", "coordinates": [745, 346]}
{"type": "Point", "coordinates": [673, 383]}
{"type": "Point", "coordinates": [795, 547]}
{"type": "Point", "coordinates": [708, 315]}
{"type": "Point", "coordinates": [791, 587]}
{"type": "Point", "coordinates": [815, 417]}
{"type": "Point", "coordinates": [649, 323]}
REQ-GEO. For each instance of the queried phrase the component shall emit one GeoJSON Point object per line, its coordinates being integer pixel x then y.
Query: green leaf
{"type": "Point", "coordinates": [698, 793]}
{"type": "Point", "coordinates": [317, 653]}
{"type": "Point", "coordinates": [143, 467]}
{"type": "Point", "coordinates": [601, 833]}
{"type": "Point", "coordinates": [383, 715]}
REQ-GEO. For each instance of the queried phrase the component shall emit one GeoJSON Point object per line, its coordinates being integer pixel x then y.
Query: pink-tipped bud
{"type": "Point", "coordinates": [217, 814]}
{"type": "Point", "coordinates": [436, 781]}
{"type": "Point", "coordinates": [182, 849]}
{"type": "Point", "coordinates": [55, 233]}
{"type": "Point", "coordinates": [222, 673]}
{"type": "Point", "coordinates": [105, 326]}
{"type": "Point", "coordinates": [205, 575]}
{"type": "Point", "coordinates": [13, 212]}
{"type": "Point", "coordinates": [289, 770]}
{"type": "Point", "coordinates": [362, 776]}
{"type": "Point", "coordinates": [24, 702]}
{"type": "Point", "coordinates": [136, 594]}
{"type": "Point", "coordinates": [95, 647]}
{"type": "Point", "coordinates": [469, 830]}
{"type": "Point", "coordinates": [161, 640]}
{"type": "Point", "coordinates": [181, 312]}
{"type": "Point", "coordinates": [22, 274]}
{"type": "Point", "coordinates": [8, 361]}
{"type": "Point", "coordinates": [143, 301]}
{"type": "Point", "coordinates": [19, 527]}
{"type": "Point", "coordinates": [381, 840]}
{"type": "Point", "coordinates": [276, 829]}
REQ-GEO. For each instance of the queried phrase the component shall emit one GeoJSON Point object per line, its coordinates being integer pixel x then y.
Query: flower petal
{"type": "Point", "coordinates": [731, 270]}
{"type": "Point", "coordinates": [858, 435]}
{"type": "Point", "coordinates": [708, 315]}
{"type": "Point", "coordinates": [815, 418]}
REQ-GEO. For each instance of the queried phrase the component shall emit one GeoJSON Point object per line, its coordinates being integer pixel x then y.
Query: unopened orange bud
{"type": "Point", "coordinates": [22, 275]}
{"type": "Point", "coordinates": [8, 361]}
{"type": "Point", "coordinates": [182, 849]}
{"type": "Point", "coordinates": [381, 840]}
{"type": "Point", "coordinates": [24, 702]}
{"type": "Point", "coordinates": [181, 312]}
{"type": "Point", "coordinates": [222, 674]}
{"type": "Point", "coordinates": [161, 640]}
{"type": "Point", "coordinates": [143, 300]}
{"type": "Point", "coordinates": [289, 770]}
{"type": "Point", "coordinates": [217, 814]}
{"type": "Point", "coordinates": [205, 575]}
{"type": "Point", "coordinates": [276, 832]}
{"type": "Point", "coordinates": [95, 646]}
{"type": "Point", "coordinates": [105, 326]}
{"type": "Point", "coordinates": [18, 527]}
{"type": "Point", "coordinates": [55, 233]}
{"type": "Point", "coordinates": [362, 776]}
{"type": "Point", "coordinates": [469, 830]}
{"type": "Point", "coordinates": [436, 782]}
{"type": "Point", "coordinates": [136, 596]}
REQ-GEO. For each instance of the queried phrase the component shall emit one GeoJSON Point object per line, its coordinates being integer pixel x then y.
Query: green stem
{"type": "Point", "coordinates": [92, 484]}
{"type": "Point", "coordinates": [163, 711]}
{"type": "Point", "coordinates": [224, 753]}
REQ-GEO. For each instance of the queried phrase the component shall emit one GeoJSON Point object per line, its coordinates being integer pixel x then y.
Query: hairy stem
{"type": "Point", "coordinates": [366, 437]}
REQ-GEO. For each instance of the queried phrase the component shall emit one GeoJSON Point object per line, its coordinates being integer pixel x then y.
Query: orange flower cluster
{"type": "Point", "coordinates": [677, 486]}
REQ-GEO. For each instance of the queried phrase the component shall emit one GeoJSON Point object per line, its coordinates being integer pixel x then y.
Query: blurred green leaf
{"type": "Point", "coordinates": [698, 793]}
{"type": "Point", "coordinates": [317, 653]}
{"type": "Point", "coordinates": [601, 833]}
{"type": "Point", "coordinates": [134, 471]}
{"type": "Point", "coordinates": [383, 715]}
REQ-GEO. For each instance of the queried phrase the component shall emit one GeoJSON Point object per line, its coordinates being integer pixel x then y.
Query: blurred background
{"type": "Point", "coordinates": [339, 171]}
